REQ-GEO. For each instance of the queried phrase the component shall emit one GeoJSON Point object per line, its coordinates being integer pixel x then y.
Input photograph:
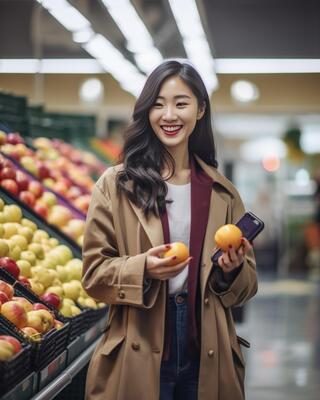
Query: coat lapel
{"type": "Point", "coordinates": [152, 226]}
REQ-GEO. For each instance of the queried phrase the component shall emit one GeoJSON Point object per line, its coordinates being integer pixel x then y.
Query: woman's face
{"type": "Point", "coordinates": [174, 113]}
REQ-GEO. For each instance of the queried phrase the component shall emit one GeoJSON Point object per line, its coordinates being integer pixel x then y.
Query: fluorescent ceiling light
{"type": "Point", "coordinates": [82, 36]}
{"type": "Point", "coordinates": [50, 66]}
{"type": "Point", "coordinates": [266, 66]}
{"type": "Point", "coordinates": [114, 62]}
{"type": "Point", "coordinates": [97, 45]}
{"type": "Point", "coordinates": [194, 40]}
{"type": "Point", "coordinates": [91, 90]}
{"type": "Point", "coordinates": [66, 14]}
{"type": "Point", "coordinates": [139, 40]}
{"type": "Point", "coordinates": [244, 91]}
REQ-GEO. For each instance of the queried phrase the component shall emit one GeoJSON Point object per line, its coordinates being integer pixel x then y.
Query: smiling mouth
{"type": "Point", "coordinates": [171, 130]}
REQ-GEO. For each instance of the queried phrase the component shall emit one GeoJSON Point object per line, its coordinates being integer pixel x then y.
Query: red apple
{"type": "Point", "coordinates": [4, 162]}
{"type": "Point", "coordinates": [24, 302]}
{"type": "Point", "coordinates": [57, 324]}
{"type": "Point", "coordinates": [14, 138]}
{"type": "Point", "coordinates": [43, 171]}
{"type": "Point", "coordinates": [41, 320]}
{"type": "Point", "coordinates": [42, 210]}
{"type": "Point", "coordinates": [25, 281]}
{"type": "Point", "coordinates": [10, 265]}
{"type": "Point", "coordinates": [15, 313]}
{"type": "Point", "coordinates": [22, 180]}
{"type": "Point", "coordinates": [15, 342]}
{"type": "Point", "coordinates": [8, 173]}
{"type": "Point", "coordinates": [36, 188]}
{"type": "Point", "coordinates": [30, 331]}
{"type": "Point", "coordinates": [28, 198]}
{"type": "Point", "coordinates": [52, 298]}
{"type": "Point", "coordinates": [3, 297]}
{"type": "Point", "coordinates": [7, 289]}
{"type": "Point", "coordinates": [40, 306]}
{"type": "Point", "coordinates": [11, 186]}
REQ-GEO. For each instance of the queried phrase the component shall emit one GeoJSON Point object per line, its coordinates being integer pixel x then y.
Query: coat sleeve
{"type": "Point", "coordinates": [243, 283]}
{"type": "Point", "coordinates": [106, 276]}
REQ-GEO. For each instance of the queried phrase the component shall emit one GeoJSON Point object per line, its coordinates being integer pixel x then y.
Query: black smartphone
{"type": "Point", "coordinates": [250, 226]}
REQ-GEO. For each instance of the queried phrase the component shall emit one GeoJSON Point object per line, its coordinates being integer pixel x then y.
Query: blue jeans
{"type": "Point", "coordinates": [179, 375]}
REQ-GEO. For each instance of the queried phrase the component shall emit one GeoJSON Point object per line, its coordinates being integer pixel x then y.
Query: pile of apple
{"type": "Point", "coordinates": [41, 262]}
{"type": "Point", "coordinates": [34, 319]}
{"type": "Point", "coordinates": [55, 172]}
{"type": "Point", "coordinates": [9, 347]}
{"type": "Point", "coordinates": [44, 203]}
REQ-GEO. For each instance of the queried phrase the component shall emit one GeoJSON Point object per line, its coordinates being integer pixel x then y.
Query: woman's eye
{"type": "Point", "coordinates": [182, 104]}
{"type": "Point", "coordinates": [157, 105]}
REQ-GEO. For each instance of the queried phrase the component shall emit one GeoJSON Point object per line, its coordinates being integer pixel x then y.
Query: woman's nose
{"type": "Point", "coordinates": [169, 114]}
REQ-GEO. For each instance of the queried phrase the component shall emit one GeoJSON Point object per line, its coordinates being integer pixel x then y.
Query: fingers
{"type": "Point", "coordinates": [159, 250]}
{"type": "Point", "coordinates": [164, 271]}
{"type": "Point", "coordinates": [234, 258]}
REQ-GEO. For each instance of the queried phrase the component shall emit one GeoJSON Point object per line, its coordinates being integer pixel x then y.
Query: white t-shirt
{"type": "Point", "coordinates": [179, 216]}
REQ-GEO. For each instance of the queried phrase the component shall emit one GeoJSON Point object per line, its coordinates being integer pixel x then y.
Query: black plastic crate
{"type": "Point", "coordinates": [19, 367]}
{"type": "Point", "coordinates": [95, 315]}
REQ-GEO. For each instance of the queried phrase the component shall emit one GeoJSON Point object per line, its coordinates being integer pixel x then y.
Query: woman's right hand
{"type": "Point", "coordinates": [158, 267]}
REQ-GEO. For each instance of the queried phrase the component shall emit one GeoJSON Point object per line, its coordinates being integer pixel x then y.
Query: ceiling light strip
{"type": "Point", "coordinates": [194, 40]}
{"type": "Point", "coordinates": [96, 45]}
{"type": "Point", "coordinates": [139, 40]}
{"type": "Point", "coordinates": [266, 66]}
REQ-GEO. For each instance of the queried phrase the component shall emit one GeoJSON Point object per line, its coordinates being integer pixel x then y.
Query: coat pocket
{"type": "Point", "coordinates": [111, 344]}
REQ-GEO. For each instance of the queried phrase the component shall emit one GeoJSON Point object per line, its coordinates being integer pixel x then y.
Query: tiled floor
{"type": "Point", "coordinates": [283, 325]}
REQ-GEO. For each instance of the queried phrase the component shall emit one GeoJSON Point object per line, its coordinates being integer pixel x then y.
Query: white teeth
{"type": "Point", "coordinates": [171, 128]}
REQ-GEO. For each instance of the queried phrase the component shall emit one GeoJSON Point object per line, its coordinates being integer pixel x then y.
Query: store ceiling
{"type": "Point", "coordinates": [234, 28]}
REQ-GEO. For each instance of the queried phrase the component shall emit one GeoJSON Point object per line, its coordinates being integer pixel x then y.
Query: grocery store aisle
{"type": "Point", "coordinates": [283, 325]}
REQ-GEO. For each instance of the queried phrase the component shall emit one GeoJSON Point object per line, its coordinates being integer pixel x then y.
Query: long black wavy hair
{"type": "Point", "coordinates": [144, 156]}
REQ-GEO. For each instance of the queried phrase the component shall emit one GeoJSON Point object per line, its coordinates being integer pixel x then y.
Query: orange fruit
{"type": "Point", "coordinates": [178, 249]}
{"type": "Point", "coordinates": [228, 235]}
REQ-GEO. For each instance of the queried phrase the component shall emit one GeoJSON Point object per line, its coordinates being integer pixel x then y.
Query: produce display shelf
{"type": "Point", "coordinates": [53, 231]}
{"type": "Point", "coordinates": [65, 378]}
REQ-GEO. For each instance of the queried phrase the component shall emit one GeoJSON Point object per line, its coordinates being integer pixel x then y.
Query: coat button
{"type": "Point", "coordinates": [210, 353]}
{"type": "Point", "coordinates": [206, 301]}
{"type": "Point", "coordinates": [121, 294]}
{"type": "Point", "coordinates": [135, 346]}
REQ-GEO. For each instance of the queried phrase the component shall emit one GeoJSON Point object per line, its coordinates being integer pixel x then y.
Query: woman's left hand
{"type": "Point", "coordinates": [232, 258]}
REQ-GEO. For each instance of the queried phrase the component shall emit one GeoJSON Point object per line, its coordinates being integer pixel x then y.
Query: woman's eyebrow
{"type": "Point", "coordinates": [179, 96]}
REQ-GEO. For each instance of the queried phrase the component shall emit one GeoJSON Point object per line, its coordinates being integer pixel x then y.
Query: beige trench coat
{"type": "Point", "coordinates": [126, 362]}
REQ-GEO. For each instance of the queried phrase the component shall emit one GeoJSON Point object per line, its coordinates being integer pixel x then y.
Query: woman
{"type": "Point", "coordinates": [170, 332]}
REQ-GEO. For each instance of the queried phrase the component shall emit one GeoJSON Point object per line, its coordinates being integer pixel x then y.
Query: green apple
{"type": "Point", "coordinates": [65, 309]}
{"type": "Point", "coordinates": [56, 289]}
{"type": "Point", "coordinates": [1, 230]}
{"type": "Point", "coordinates": [29, 256]}
{"type": "Point", "coordinates": [12, 213]}
{"type": "Point", "coordinates": [26, 222]}
{"type": "Point", "coordinates": [53, 242]}
{"type": "Point", "coordinates": [25, 268]}
{"type": "Point", "coordinates": [62, 272]}
{"type": "Point", "coordinates": [74, 268]}
{"type": "Point", "coordinates": [38, 235]}
{"type": "Point", "coordinates": [37, 249]}
{"type": "Point", "coordinates": [2, 218]}
{"type": "Point", "coordinates": [26, 232]}
{"type": "Point", "coordinates": [20, 241]}
{"type": "Point", "coordinates": [43, 275]}
{"type": "Point", "coordinates": [71, 290]}
{"type": "Point", "coordinates": [15, 252]}
{"type": "Point", "coordinates": [75, 310]}
{"type": "Point", "coordinates": [10, 229]}
{"type": "Point", "coordinates": [4, 248]}
{"type": "Point", "coordinates": [89, 302]}
{"type": "Point", "coordinates": [48, 263]}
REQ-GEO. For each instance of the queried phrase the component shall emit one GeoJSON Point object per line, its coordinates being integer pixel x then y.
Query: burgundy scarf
{"type": "Point", "coordinates": [201, 186]}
